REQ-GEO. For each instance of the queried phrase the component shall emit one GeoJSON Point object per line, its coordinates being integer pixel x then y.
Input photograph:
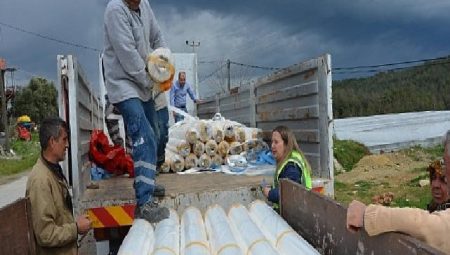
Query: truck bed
{"type": "Point", "coordinates": [181, 190]}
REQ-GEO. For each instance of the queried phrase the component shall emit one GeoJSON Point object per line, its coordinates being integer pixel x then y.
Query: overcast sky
{"type": "Point", "coordinates": [256, 32]}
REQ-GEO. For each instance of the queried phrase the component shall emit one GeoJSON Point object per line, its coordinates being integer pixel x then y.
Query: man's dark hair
{"type": "Point", "coordinates": [51, 127]}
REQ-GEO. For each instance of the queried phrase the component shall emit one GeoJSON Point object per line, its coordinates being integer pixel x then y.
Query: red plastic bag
{"type": "Point", "coordinates": [113, 159]}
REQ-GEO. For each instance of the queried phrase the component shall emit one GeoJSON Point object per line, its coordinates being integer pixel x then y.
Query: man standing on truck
{"type": "Point", "coordinates": [432, 228]}
{"type": "Point", "coordinates": [178, 95]}
{"type": "Point", "coordinates": [131, 33]}
{"type": "Point", "coordinates": [55, 230]}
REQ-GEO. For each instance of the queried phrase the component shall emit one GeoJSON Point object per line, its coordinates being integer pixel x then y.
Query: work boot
{"type": "Point", "coordinates": [159, 191]}
{"type": "Point", "coordinates": [151, 212]}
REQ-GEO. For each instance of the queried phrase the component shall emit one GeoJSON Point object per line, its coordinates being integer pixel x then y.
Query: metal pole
{"type": "Point", "coordinates": [229, 75]}
{"type": "Point", "coordinates": [4, 113]}
{"type": "Point", "coordinates": [193, 44]}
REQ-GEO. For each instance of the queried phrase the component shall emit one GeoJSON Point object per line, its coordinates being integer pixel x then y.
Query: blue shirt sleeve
{"type": "Point", "coordinates": [292, 172]}
{"type": "Point", "coordinates": [172, 94]}
{"type": "Point", "coordinates": [190, 92]}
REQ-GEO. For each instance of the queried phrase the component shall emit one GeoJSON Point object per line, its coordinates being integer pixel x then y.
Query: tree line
{"type": "Point", "coordinates": [38, 100]}
{"type": "Point", "coordinates": [420, 88]}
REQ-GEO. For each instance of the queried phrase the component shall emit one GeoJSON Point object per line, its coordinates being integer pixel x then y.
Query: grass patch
{"type": "Point", "coordinates": [417, 197]}
{"type": "Point", "coordinates": [348, 152]}
{"type": "Point", "coordinates": [415, 182]}
{"type": "Point", "coordinates": [432, 153]}
{"type": "Point", "coordinates": [28, 151]}
{"type": "Point", "coordinates": [409, 195]}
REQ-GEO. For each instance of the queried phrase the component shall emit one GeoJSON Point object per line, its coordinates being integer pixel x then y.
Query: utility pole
{"type": "Point", "coordinates": [3, 96]}
{"type": "Point", "coordinates": [229, 75]}
{"type": "Point", "coordinates": [193, 44]}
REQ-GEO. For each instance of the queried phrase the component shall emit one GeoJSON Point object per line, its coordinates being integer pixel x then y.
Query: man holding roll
{"type": "Point", "coordinates": [131, 33]}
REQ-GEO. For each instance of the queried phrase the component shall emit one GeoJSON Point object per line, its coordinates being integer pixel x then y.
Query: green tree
{"type": "Point", "coordinates": [37, 100]}
{"type": "Point", "coordinates": [420, 88]}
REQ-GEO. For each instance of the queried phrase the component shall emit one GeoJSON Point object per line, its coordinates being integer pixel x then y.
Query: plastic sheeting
{"type": "Point", "coordinates": [176, 163]}
{"type": "Point", "coordinates": [191, 161]}
{"type": "Point", "coordinates": [179, 146]}
{"type": "Point", "coordinates": [211, 148]}
{"type": "Point", "coordinates": [193, 234]}
{"type": "Point", "coordinates": [139, 240]}
{"type": "Point", "coordinates": [260, 231]}
{"type": "Point", "coordinates": [221, 237]}
{"type": "Point", "coordinates": [204, 161]}
{"type": "Point", "coordinates": [280, 234]}
{"type": "Point", "coordinates": [250, 237]}
{"type": "Point", "coordinates": [167, 236]}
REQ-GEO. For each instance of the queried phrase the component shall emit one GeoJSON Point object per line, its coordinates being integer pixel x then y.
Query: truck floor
{"type": "Point", "coordinates": [119, 190]}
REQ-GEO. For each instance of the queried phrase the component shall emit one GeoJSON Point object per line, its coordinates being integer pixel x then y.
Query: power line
{"type": "Point", "coordinates": [210, 61]}
{"type": "Point", "coordinates": [255, 66]}
{"type": "Point", "coordinates": [393, 69]}
{"type": "Point", "coordinates": [212, 73]}
{"type": "Point", "coordinates": [390, 64]}
{"type": "Point", "coordinates": [50, 38]}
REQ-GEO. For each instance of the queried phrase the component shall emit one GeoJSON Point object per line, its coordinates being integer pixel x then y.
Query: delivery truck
{"type": "Point", "coordinates": [298, 97]}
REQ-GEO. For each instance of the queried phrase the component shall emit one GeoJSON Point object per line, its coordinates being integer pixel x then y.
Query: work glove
{"type": "Point", "coordinates": [161, 69]}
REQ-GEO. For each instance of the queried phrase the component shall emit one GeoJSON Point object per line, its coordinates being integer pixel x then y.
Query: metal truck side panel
{"type": "Point", "coordinates": [298, 97]}
{"type": "Point", "coordinates": [82, 110]}
{"type": "Point", "coordinates": [322, 222]}
{"type": "Point", "coordinates": [16, 232]}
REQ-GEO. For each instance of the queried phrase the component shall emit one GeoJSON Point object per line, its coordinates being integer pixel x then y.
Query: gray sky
{"type": "Point", "coordinates": [256, 32]}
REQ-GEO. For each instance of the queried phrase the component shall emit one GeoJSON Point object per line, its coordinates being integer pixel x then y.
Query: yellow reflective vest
{"type": "Point", "coordinates": [296, 158]}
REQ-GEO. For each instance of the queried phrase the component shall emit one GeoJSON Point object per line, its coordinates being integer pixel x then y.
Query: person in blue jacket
{"type": "Point", "coordinates": [291, 163]}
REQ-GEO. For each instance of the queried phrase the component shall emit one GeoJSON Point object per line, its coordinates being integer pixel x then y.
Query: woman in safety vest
{"type": "Point", "coordinates": [291, 163]}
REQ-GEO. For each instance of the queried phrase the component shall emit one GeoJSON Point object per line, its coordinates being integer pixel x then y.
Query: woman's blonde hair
{"type": "Point", "coordinates": [290, 144]}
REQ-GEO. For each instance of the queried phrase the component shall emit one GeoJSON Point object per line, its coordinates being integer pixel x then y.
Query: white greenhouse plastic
{"type": "Point", "coordinates": [279, 233]}
{"type": "Point", "coordinates": [221, 237]}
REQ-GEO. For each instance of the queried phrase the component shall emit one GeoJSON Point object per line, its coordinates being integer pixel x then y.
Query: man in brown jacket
{"type": "Point", "coordinates": [55, 229]}
{"type": "Point", "coordinates": [432, 228]}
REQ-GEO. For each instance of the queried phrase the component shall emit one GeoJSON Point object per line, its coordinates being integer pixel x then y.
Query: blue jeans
{"type": "Point", "coordinates": [179, 117]}
{"type": "Point", "coordinates": [163, 124]}
{"type": "Point", "coordinates": [141, 121]}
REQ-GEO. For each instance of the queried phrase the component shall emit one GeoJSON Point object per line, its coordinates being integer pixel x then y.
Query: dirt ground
{"type": "Point", "coordinates": [395, 168]}
{"type": "Point", "coordinates": [396, 172]}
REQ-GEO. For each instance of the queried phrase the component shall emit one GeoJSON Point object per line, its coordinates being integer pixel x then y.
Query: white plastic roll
{"type": "Point", "coordinates": [198, 148]}
{"type": "Point", "coordinates": [205, 130]}
{"type": "Point", "coordinates": [165, 167]}
{"type": "Point", "coordinates": [179, 146]}
{"type": "Point", "coordinates": [191, 161]}
{"type": "Point", "coordinates": [250, 237]}
{"type": "Point", "coordinates": [229, 133]}
{"type": "Point", "coordinates": [217, 130]}
{"type": "Point", "coordinates": [279, 233]}
{"type": "Point", "coordinates": [184, 130]}
{"type": "Point", "coordinates": [167, 235]}
{"type": "Point", "coordinates": [139, 240]}
{"type": "Point", "coordinates": [218, 134]}
{"type": "Point", "coordinates": [176, 163]}
{"type": "Point", "coordinates": [211, 148]}
{"type": "Point", "coordinates": [193, 234]}
{"type": "Point", "coordinates": [235, 148]}
{"type": "Point", "coordinates": [221, 237]}
{"type": "Point", "coordinates": [253, 133]}
{"type": "Point", "coordinates": [223, 148]}
{"type": "Point", "coordinates": [240, 134]}
{"type": "Point", "coordinates": [160, 65]}
{"type": "Point", "coordinates": [192, 135]}
{"type": "Point", "coordinates": [204, 161]}
{"type": "Point", "coordinates": [216, 161]}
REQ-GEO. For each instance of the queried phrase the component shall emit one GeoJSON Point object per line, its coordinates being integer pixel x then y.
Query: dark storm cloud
{"type": "Point", "coordinates": [265, 33]}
